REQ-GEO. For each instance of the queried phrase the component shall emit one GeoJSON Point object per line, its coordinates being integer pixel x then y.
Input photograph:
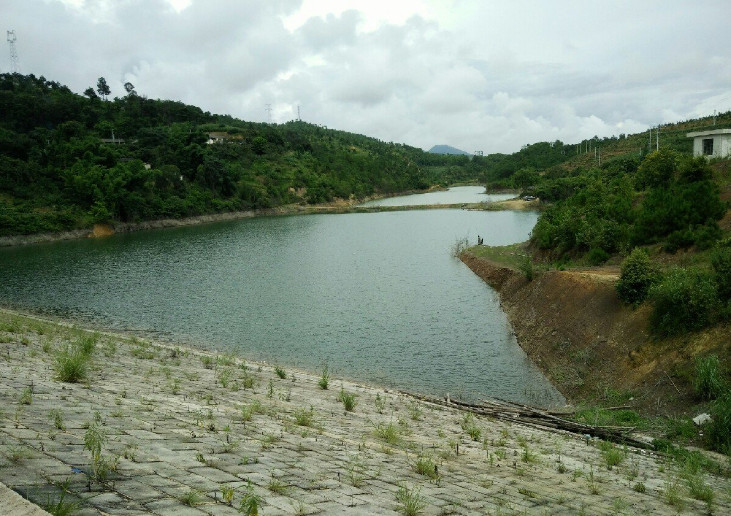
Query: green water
{"type": "Point", "coordinates": [378, 297]}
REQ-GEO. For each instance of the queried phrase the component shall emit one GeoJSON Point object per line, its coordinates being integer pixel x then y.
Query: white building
{"type": "Point", "coordinates": [712, 144]}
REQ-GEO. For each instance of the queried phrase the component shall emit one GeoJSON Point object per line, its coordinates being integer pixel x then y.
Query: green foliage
{"type": "Point", "coordinates": [71, 365]}
{"type": "Point", "coordinates": [597, 256]}
{"type": "Point", "coordinates": [721, 263]}
{"type": "Point", "coordinates": [638, 275]}
{"type": "Point", "coordinates": [719, 430]}
{"type": "Point", "coordinates": [324, 380]}
{"type": "Point", "coordinates": [56, 173]}
{"type": "Point", "coordinates": [410, 501]}
{"type": "Point", "coordinates": [708, 381]}
{"type": "Point", "coordinates": [684, 301]}
{"type": "Point", "coordinates": [348, 400]}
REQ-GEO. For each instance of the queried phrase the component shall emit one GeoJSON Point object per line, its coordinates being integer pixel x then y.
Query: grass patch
{"type": "Point", "coordinates": [426, 466]}
{"type": "Point", "coordinates": [388, 433]}
{"type": "Point", "coordinates": [348, 399]}
{"type": "Point", "coordinates": [72, 365]}
{"type": "Point", "coordinates": [410, 501]}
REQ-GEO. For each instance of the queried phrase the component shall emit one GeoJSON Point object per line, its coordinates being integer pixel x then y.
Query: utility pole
{"type": "Point", "coordinates": [14, 64]}
{"type": "Point", "coordinates": [268, 109]}
{"type": "Point", "coordinates": [299, 118]}
{"type": "Point", "coordinates": [657, 138]}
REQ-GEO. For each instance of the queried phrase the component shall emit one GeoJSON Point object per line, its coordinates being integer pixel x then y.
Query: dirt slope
{"type": "Point", "coordinates": [590, 345]}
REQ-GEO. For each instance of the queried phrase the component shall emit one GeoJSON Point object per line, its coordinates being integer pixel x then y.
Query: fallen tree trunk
{"type": "Point", "coordinates": [524, 414]}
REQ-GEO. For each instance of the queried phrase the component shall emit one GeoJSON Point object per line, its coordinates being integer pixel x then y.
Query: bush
{"type": "Point", "coordinates": [719, 430]}
{"type": "Point", "coordinates": [721, 263]}
{"type": "Point", "coordinates": [686, 300]}
{"type": "Point", "coordinates": [638, 275]}
{"type": "Point", "coordinates": [597, 256]}
{"type": "Point", "coordinates": [708, 382]}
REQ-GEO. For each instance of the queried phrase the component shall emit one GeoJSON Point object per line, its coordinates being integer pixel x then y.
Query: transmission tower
{"type": "Point", "coordinates": [14, 65]}
{"type": "Point", "coordinates": [268, 109]}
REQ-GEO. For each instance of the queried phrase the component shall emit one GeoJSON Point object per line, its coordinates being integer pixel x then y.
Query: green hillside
{"type": "Point", "coordinates": [68, 160]}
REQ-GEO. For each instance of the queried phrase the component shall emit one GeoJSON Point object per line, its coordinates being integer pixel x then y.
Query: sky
{"type": "Point", "coordinates": [480, 75]}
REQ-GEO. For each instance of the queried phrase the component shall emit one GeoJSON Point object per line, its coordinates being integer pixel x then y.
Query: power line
{"type": "Point", "coordinates": [14, 63]}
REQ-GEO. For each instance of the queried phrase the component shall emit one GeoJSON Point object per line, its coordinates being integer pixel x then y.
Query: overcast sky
{"type": "Point", "coordinates": [475, 74]}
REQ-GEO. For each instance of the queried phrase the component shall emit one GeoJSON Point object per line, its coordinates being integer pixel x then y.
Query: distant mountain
{"type": "Point", "coordinates": [446, 149]}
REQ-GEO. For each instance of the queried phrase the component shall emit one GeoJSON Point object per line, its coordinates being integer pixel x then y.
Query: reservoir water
{"type": "Point", "coordinates": [378, 296]}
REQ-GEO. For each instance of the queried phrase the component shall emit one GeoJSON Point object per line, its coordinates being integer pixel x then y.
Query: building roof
{"type": "Point", "coordinates": [714, 132]}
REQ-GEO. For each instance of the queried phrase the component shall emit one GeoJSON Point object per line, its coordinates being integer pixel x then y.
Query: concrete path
{"type": "Point", "coordinates": [183, 432]}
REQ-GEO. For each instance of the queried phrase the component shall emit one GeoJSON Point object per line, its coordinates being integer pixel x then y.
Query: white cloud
{"type": "Point", "coordinates": [478, 75]}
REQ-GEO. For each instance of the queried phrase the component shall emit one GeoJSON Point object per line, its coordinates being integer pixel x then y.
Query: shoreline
{"type": "Point", "coordinates": [182, 427]}
{"type": "Point", "coordinates": [338, 207]}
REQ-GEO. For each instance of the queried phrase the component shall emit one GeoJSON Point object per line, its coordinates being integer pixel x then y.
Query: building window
{"type": "Point", "coordinates": [708, 146]}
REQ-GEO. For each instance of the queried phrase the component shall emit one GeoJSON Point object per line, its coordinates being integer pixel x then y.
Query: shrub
{"type": "Point", "coordinates": [597, 256]}
{"type": "Point", "coordinates": [638, 275]}
{"type": "Point", "coordinates": [686, 300]}
{"type": "Point", "coordinates": [708, 382]}
{"type": "Point", "coordinates": [721, 263]}
{"type": "Point", "coordinates": [719, 429]}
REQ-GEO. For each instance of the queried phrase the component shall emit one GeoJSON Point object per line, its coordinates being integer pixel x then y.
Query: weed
{"type": "Point", "coordinates": [276, 486]}
{"type": "Point", "coordinates": [348, 400]}
{"type": "Point", "coordinates": [281, 373]}
{"type": "Point", "coordinates": [415, 411]}
{"type": "Point", "coordinates": [17, 454]}
{"type": "Point", "coordinates": [247, 411]}
{"type": "Point", "coordinates": [57, 418]}
{"type": "Point", "coordinates": [425, 466]}
{"type": "Point", "coordinates": [207, 361]}
{"type": "Point", "coordinates": [61, 507]}
{"type": "Point", "coordinates": [191, 498]}
{"type": "Point", "coordinates": [324, 380]}
{"type": "Point", "coordinates": [356, 471]}
{"type": "Point", "coordinates": [26, 397]}
{"type": "Point", "coordinates": [94, 439]}
{"type": "Point", "coordinates": [270, 389]}
{"type": "Point", "coordinates": [304, 417]}
{"type": "Point", "coordinates": [639, 487]}
{"type": "Point", "coordinates": [380, 403]}
{"type": "Point", "coordinates": [700, 490]}
{"type": "Point", "coordinates": [142, 350]}
{"type": "Point", "coordinates": [388, 433]}
{"type": "Point", "coordinates": [227, 494]}
{"type": "Point", "coordinates": [224, 376]}
{"type": "Point", "coordinates": [593, 481]}
{"type": "Point", "coordinates": [71, 365]}
{"type": "Point", "coordinates": [612, 455]}
{"type": "Point", "coordinates": [671, 493]}
{"type": "Point", "coordinates": [528, 456]}
{"type": "Point", "coordinates": [87, 343]}
{"type": "Point", "coordinates": [410, 501]}
{"type": "Point", "coordinates": [250, 502]}
{"type": "Point", "coordinates": [175, 386]}
{"type": "Point", "coordinates": [708, 382]}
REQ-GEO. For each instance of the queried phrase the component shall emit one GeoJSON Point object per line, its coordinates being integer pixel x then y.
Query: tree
{"type": "Point", "coordinates": [102, 88]}
{"type": "Point", "coordinates": [89, 92]}
{"type": "Point", "coordinates": [637, 276]}
{"type": "Point", "coordinates": [130, 89]}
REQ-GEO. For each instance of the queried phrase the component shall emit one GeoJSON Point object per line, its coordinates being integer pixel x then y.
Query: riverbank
{"type": "Point", "coordinates": [183, 431]}
{"type": "Point", "coordinates": [336, 207]}
{"type": "Point", "coordinates": [591, 346]}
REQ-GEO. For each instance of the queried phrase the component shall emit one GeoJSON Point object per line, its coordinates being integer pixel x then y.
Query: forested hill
{"type": "Point", "coordinates": [69, 160]}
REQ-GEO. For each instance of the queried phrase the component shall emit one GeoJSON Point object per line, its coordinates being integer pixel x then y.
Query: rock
{"type": "Point", "coordinates": [702, 419]}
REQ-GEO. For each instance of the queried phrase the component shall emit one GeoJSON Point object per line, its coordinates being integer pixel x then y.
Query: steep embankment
{"type": "Point", "coordinates": [590, 345]}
